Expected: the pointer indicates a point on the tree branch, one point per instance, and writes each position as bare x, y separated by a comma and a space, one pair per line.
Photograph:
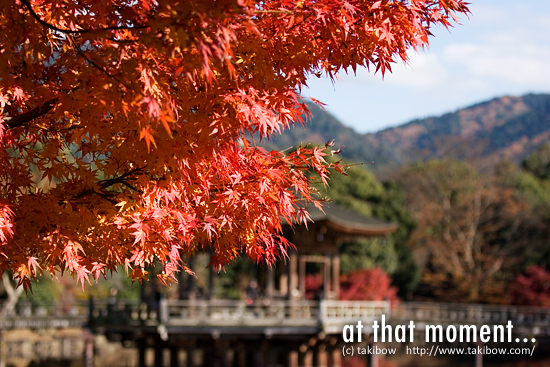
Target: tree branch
104, 184
70, 31
23, 118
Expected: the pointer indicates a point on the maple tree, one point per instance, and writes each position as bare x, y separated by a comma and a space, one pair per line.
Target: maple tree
123, 123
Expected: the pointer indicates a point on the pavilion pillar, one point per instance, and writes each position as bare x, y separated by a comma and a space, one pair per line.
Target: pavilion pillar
336, 275
211, 277
326, 277
293, 274
302, 276
270, 282
283, 278
187, 289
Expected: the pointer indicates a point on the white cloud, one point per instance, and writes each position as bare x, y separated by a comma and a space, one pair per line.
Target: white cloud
424, 70
520, 64
503, 48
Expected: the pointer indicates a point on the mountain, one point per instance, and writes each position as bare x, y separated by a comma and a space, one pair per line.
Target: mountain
502, 128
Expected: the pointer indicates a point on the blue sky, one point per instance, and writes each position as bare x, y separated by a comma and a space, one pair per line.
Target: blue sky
503, 48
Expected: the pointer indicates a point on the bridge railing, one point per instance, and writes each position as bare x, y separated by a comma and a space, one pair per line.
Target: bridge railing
327, 315
470, 314
232, 313
335, 314
54, 315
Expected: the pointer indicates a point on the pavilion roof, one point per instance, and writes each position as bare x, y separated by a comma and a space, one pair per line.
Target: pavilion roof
348, 221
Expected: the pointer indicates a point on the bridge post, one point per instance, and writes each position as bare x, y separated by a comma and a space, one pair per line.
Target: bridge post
255, 357
373, 358
239, 356
142, 347
320, 356
190, 359
292, 358
159, 355
308, 358
174, 357
336, 358
479, 356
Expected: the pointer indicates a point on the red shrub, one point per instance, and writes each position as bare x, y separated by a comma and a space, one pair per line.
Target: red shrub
370, 284
314, 285
532, 289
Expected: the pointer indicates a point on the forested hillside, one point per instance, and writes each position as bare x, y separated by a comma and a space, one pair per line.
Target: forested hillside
503, 128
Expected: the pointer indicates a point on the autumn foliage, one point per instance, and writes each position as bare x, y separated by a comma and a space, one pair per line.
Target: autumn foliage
123, 123
368, 284
531, 289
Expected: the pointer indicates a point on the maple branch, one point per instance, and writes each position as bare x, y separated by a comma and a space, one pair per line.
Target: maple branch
95, 64
70, 31
104, 184
120, 179
282, 11
23, 118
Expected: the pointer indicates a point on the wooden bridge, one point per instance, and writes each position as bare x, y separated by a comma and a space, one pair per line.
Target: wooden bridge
232, 332
331, 315
287, 333
328, 316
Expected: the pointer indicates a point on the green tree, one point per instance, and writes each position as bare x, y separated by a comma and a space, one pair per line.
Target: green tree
531, 183
538, 163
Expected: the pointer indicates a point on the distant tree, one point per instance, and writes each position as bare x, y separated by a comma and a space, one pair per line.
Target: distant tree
532, 184
538, 163
467, 228
531, 289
